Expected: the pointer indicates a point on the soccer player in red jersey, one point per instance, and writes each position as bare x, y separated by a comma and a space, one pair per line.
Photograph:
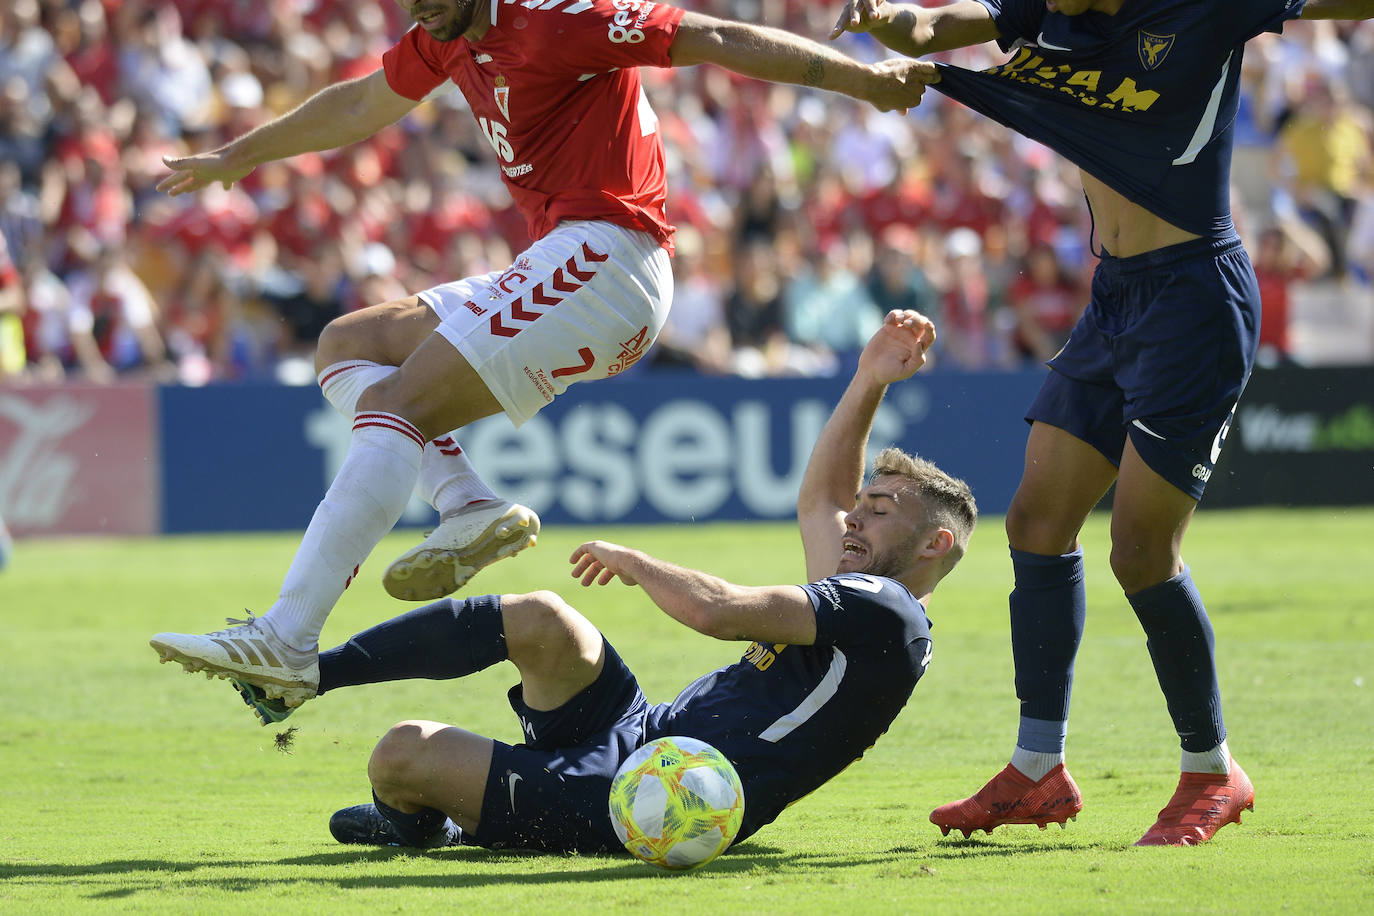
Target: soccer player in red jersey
1143, 98
555, 88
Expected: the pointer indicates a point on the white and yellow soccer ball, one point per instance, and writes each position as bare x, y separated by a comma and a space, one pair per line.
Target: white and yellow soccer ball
676, 803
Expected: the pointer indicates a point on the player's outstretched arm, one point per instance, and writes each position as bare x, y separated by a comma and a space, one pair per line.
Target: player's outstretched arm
1338, 9
706, 603
834, 473
915, 30
335, 116
781, 57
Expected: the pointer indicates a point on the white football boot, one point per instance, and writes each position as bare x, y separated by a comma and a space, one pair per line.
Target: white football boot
247, 651
466, 541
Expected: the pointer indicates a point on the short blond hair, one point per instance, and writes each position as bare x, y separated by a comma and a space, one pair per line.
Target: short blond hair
948, 500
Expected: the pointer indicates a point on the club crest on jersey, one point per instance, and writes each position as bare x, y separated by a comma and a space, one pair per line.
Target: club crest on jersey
502, 93
1153, 48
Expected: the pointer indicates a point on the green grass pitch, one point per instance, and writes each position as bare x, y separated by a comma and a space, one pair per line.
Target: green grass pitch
130, 787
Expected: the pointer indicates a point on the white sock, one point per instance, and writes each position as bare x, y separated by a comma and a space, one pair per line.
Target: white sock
448, 481
363, 503
1217, 760
1035, 764
344, 382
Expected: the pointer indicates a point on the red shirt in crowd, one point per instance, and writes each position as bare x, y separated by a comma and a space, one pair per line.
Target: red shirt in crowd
557, 93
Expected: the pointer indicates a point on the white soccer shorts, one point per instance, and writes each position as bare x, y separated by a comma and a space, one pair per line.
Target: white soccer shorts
584, 302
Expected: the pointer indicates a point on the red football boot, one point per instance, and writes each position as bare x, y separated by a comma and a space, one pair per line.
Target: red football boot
1011, 797
1202, 804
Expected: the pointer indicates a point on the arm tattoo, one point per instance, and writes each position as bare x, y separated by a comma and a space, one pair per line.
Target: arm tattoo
815, 72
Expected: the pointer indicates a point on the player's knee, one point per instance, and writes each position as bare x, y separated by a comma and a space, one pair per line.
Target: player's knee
386, 333
395, 755
389, 395
544, 632
1138, 564
336, 344
1039, 529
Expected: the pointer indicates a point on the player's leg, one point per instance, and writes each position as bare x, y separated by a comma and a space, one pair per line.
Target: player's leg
358, 350
426, 774
1064, 478
1149, 519
434, 783
277, 652
1184, 365
580, 304
476, 527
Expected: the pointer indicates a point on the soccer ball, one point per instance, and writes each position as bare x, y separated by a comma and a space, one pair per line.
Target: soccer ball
676, 803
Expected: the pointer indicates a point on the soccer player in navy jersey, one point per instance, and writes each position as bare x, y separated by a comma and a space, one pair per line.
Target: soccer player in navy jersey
555, 89
1141, 95
828, 665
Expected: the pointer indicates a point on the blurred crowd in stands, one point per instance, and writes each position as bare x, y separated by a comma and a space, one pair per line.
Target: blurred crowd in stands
802, 216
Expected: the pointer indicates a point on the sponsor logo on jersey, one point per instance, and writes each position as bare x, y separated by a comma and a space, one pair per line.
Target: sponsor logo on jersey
502, 93
627, 25
474, 308
761, 656
829, 592
1153, 48
630, 352
541, 382
1092, 88
482, 59
515, 171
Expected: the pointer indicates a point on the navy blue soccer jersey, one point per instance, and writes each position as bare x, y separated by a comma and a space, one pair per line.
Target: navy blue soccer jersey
1144, 100
791, 717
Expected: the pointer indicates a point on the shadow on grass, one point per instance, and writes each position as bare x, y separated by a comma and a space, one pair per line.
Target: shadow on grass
475, 867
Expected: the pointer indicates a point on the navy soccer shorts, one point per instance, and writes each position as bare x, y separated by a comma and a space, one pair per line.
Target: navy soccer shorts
550, 793
1161, 354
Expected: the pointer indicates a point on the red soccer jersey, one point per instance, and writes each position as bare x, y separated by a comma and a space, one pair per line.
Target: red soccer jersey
555, 89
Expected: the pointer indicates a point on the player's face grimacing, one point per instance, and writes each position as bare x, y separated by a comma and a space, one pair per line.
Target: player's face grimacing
445, 20
883, 530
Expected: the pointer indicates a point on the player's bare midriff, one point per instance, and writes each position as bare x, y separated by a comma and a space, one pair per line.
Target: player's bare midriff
1125, 228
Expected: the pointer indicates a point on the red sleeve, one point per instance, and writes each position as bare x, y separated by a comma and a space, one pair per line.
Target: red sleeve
413, 66
613, 33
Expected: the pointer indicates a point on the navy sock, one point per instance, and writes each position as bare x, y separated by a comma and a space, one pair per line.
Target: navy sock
426, 828
446, 639
1179, 637
1048, 607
